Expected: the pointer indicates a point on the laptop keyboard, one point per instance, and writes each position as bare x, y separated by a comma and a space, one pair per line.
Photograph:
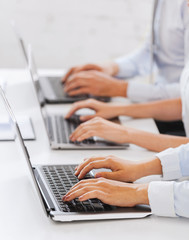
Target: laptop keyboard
60, 179
59, 129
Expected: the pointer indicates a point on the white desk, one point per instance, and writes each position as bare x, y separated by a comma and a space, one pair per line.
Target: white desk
22, 216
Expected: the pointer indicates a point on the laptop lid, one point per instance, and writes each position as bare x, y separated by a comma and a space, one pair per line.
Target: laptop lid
20, 142
24, 49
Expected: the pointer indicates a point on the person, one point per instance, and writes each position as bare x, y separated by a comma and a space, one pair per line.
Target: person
166, 110
166, 198
168, 32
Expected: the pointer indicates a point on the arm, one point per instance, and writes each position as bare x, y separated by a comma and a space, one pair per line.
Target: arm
168, 199
144, 92
167, 110
174, 195
135, 64
98, 80
154, 142
121, 134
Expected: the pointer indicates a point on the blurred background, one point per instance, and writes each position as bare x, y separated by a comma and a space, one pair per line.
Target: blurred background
70, 32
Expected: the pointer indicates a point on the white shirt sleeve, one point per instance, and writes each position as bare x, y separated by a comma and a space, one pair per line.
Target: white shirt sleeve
171, 199
144, 92
175, 162
161, 198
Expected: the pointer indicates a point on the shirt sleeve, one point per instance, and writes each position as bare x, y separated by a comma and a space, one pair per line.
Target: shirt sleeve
135, 64
175, 162
144, 92
169, 199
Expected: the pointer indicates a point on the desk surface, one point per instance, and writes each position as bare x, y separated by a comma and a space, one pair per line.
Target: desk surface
21, 214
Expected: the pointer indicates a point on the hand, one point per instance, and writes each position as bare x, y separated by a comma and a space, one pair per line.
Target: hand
95, 83
110, 192
110, 69
101, 128
103, 110
122, 170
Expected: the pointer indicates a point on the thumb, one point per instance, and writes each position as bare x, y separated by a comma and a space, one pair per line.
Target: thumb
87, 117
108, 175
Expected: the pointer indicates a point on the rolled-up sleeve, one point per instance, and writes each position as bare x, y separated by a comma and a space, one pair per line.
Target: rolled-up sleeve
161, 198
175, 162
169, 198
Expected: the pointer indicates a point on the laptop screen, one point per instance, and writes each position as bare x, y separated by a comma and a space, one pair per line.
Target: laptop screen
7, 112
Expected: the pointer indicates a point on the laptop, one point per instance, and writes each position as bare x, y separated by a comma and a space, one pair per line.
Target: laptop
53, 181
59, 129
52, 89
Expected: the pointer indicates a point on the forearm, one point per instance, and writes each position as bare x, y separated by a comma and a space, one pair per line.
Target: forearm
166, 110
154, 142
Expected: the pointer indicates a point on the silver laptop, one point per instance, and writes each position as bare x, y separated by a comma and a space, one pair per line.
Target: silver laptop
59, 129
51, 86
53, 181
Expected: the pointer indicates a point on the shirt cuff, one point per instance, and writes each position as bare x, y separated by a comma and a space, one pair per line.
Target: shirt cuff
170, 164
161, 198
126, 68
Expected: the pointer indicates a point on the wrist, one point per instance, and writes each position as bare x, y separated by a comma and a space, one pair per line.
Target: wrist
142, 194
151, 167
119, 88
111, 68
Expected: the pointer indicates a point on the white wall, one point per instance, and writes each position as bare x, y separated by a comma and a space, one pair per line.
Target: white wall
69, 32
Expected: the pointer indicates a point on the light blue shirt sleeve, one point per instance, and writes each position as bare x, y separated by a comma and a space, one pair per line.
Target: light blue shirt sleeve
181, 190
171, 52
181, 198
135, 64
172, 198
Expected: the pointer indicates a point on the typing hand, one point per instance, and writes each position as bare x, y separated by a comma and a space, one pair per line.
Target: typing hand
101, 128
122, 170
96, 83
110, 69
103, 110
110, 192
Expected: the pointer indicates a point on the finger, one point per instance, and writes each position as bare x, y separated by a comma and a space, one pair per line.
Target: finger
90, 67
75, 84
84, 182
80, 75
86, 162
81, 184
107, 175
81, 129
79, 105
86, 135
82, 90
101, 195
93, 165
87, 117
64, 79
77, 132
81, 192
86, 186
